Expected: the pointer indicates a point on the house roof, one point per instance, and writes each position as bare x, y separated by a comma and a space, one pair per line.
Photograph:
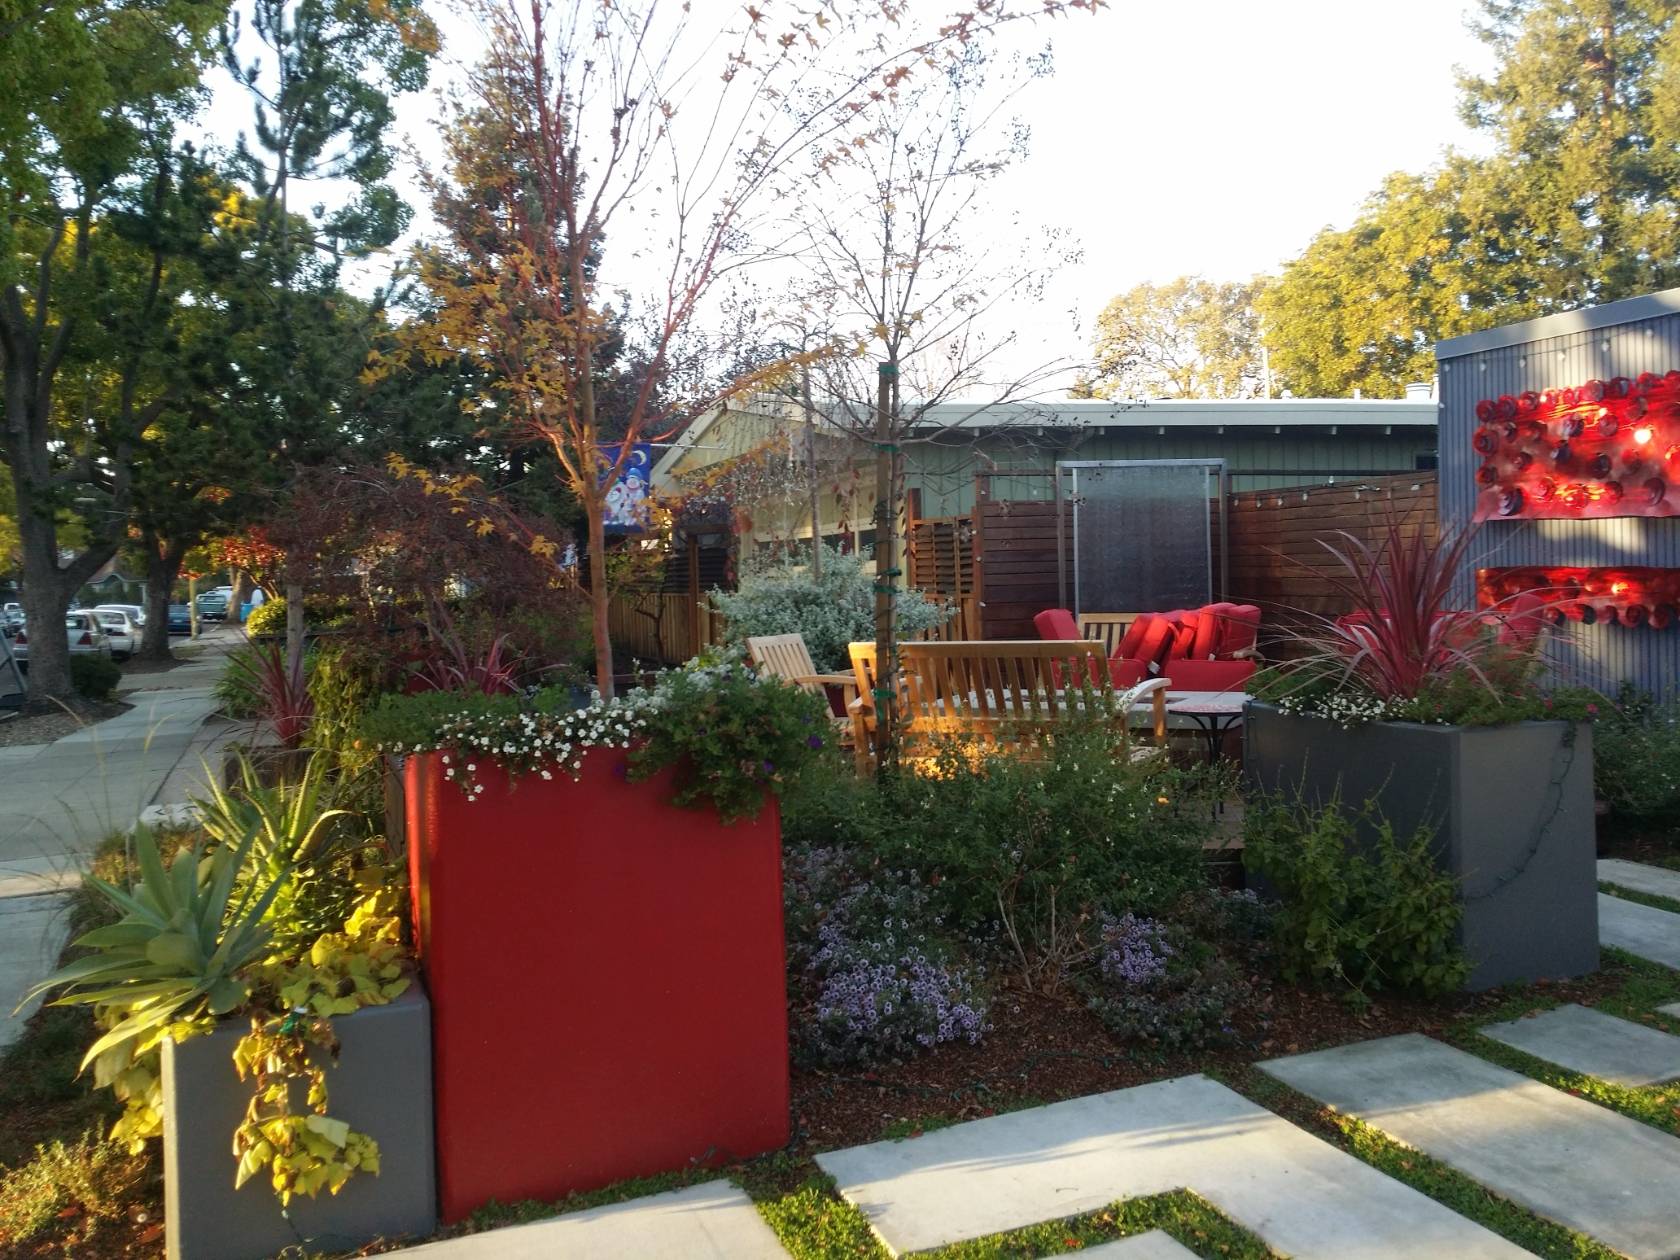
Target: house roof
1626, 311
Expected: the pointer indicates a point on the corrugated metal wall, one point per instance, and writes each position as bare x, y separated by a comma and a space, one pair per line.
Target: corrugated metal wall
945, 472
1598, 655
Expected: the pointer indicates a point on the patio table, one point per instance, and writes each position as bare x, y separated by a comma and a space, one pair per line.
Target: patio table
1214, 713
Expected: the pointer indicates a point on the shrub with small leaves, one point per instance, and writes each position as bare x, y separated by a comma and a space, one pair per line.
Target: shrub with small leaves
1155, 982
1369, 912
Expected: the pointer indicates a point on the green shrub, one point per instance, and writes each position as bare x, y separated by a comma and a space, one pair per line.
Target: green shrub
1032, 846
237, 688
94, 677
267, 618
1369, 915
1156, 982
830, 613
89, 1176
1636, 756
345, 681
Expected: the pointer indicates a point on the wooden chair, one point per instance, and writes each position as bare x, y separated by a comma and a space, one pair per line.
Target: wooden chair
1107, 628
992, 690
785, 656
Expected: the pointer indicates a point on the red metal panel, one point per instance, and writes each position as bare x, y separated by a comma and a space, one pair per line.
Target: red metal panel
608, 980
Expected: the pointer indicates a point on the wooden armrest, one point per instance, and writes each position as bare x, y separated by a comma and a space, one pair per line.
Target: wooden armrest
1246, 654
832, 680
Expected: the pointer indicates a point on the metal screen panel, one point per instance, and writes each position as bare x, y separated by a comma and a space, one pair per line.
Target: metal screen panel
1142, 535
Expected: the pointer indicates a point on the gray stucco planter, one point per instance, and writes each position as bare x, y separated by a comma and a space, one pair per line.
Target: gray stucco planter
381, 1086
1512, 809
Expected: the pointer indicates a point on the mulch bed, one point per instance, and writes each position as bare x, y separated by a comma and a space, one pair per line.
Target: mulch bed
1047, 1047
43, 728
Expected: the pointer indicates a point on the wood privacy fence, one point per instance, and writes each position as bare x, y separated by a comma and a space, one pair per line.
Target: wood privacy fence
661, 627
1277, 558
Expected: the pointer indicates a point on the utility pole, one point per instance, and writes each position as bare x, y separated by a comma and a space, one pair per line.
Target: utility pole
886, 568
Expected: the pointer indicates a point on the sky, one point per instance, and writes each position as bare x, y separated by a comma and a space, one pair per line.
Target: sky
1185, 137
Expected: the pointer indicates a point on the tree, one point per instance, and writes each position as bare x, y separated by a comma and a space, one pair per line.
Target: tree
627, 113
1187, 338
887, 253
1578, 203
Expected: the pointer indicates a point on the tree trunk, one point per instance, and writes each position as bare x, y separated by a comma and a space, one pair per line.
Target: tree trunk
163, 566
811, 472
294, 626
598, 598
46, 597
241, 592
886, 573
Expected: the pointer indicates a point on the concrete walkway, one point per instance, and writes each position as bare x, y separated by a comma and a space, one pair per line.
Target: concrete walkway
1641, 930
1654, 881
58, 801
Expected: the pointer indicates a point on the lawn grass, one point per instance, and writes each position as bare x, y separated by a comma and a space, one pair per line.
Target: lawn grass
1422, 1172
1643, 898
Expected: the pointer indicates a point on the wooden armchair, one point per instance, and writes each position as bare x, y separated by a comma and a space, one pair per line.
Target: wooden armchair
785, 656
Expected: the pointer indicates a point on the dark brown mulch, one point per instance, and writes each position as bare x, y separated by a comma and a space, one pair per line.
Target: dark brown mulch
43, 728
1044, 1048
1654, 842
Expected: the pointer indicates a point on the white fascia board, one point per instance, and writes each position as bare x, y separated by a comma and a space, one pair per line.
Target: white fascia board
1187, 413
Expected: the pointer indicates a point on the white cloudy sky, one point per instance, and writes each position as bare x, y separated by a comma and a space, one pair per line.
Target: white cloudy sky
1211, 137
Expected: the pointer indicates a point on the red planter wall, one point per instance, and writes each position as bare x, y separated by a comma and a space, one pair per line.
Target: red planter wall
607, 979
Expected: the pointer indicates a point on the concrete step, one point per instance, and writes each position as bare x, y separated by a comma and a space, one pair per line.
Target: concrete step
1301, 1195
1644, 931
1155, 1245
713, 1221
1594, 1044
1655, 881
1564, 1158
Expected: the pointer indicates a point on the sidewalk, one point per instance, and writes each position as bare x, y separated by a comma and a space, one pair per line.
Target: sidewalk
58, 801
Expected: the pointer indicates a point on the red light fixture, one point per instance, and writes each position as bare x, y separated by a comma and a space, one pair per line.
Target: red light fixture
1609, 597
1580, 452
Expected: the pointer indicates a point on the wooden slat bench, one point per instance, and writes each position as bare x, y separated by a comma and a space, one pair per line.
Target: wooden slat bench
994, 689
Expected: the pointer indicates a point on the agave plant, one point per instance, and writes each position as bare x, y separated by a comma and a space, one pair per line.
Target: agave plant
179, 947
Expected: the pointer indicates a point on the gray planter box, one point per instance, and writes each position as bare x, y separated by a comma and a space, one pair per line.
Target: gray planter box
382, 1086
1512, 810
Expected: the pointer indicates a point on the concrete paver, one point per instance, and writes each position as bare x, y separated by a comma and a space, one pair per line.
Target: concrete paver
713, 1221
1591, 1042
1581, 1165
1301, 1195
1673, 1008
1656, 881
1155, 1245
32, 929
1641, 930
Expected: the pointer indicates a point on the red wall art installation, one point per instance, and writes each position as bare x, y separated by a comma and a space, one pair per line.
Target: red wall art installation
1619, 596
1606, 448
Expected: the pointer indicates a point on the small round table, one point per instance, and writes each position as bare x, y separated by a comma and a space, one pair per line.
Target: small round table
1215, 716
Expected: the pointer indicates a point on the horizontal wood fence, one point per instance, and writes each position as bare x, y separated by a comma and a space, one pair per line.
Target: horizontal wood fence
1276, 536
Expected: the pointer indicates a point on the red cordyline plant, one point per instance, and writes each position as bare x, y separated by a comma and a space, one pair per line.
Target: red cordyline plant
282, 689
453, 668
1401, 634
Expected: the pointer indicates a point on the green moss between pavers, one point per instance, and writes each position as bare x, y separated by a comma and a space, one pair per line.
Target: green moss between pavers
1643, 898
1424, 1173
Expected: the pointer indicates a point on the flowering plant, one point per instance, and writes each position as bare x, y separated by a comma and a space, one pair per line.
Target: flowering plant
730, 735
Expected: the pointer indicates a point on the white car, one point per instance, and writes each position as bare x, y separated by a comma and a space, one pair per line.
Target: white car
120, 631
136, 614
11, 615
82, 629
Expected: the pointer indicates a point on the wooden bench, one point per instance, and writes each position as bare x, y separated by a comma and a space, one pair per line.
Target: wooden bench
785, 656
1106, 628
994, 690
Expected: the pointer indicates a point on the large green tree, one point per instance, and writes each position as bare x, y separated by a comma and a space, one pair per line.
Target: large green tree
1578, 203
1187, 338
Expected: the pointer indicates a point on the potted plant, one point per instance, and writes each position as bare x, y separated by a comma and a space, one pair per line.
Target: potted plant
1437, 717
253, 990
599, 920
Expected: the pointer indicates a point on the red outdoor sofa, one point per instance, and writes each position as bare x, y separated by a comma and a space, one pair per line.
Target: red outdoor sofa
1211, 648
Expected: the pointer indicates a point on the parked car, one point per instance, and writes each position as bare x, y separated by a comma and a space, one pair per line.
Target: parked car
81, 628
213, 605
11, 614
120, 629
136, 614
180, 619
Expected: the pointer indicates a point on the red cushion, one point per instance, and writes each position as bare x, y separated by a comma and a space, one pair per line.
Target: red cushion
1126, 673
1232, 628
1184, 633
1056, 623
1131, 643
1154, 643
1208, 675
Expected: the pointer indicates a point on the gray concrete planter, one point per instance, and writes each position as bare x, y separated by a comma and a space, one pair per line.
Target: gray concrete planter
1512, 809
382, 1086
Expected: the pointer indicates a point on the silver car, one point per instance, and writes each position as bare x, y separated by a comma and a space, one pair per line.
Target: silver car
136, 614
82, 629
120, 631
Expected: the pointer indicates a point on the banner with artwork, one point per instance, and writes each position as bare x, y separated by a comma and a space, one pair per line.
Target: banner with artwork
627, 498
